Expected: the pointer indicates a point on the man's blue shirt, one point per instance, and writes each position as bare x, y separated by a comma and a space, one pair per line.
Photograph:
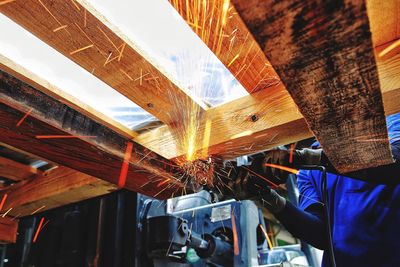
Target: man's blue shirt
365, 218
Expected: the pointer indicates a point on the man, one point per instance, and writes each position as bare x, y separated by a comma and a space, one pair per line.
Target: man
364, 211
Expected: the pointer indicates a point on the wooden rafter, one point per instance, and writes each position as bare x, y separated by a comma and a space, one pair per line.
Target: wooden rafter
328, 67
16, 171
86, 37
100, 156
278, 120
8, 230
58, 187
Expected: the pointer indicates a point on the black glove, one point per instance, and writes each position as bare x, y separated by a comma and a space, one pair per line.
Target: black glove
281, 157
247, 185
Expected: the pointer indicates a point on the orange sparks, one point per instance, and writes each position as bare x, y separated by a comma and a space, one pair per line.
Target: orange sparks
233, 60
60, 28
76, 5
3, 200
42, 207
126, 74
140, 78
125, 165
389, 48
38, 230
24, 117
122, 51
6, 2
235, 237
63, 136
260, 176
266, 237
291, 170
163, 182
291, 153
81, 49
5, 214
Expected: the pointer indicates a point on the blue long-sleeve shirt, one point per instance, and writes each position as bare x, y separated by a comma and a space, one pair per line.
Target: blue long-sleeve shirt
365, 217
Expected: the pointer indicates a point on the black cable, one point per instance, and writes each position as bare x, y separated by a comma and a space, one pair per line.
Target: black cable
328, 226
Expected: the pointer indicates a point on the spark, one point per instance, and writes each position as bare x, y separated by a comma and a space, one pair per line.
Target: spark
81, 49
24, 117
235, 237
126, 74
266, 237
122, 51
140, 78
3, 200
51, 14
63, 136
38, 209
389, 48
125, 165
291, 170
233, 60
60, 28
84, 18
76, 5
108, 38
4, 215
6, 2
163, 182
291, 153
38, 230
260, 176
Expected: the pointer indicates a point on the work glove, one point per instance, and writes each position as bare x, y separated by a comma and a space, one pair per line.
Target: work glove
281, 157
247, 185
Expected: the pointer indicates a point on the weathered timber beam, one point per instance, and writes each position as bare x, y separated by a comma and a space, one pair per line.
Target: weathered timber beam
8, 230
86, 37
58, 187
228, 37
100, 155
278, 120
16, 171
44, 86
323, 53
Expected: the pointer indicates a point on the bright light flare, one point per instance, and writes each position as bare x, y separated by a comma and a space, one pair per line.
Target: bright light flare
291, 170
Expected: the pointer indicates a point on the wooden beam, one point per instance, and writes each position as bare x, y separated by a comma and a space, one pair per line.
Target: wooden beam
44, 86
278, 120
8, 230
16, 171
220, 27
92, 42
323, 53
101, 156
58, 187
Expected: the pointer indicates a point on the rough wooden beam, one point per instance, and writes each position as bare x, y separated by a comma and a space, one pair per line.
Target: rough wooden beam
95, 44
44, 86
100, 156
8, 230
220, 27
323, 53
278, 120
58, 187
16, 171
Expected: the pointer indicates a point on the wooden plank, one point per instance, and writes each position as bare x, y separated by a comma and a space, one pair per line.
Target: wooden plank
8, 230
44, 86
278, 120
384, 18
99, 47
58, 187
220, 27
323, 53
16, 171
100, 157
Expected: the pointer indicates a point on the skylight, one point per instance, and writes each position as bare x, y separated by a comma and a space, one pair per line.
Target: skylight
31, 53
157, 28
